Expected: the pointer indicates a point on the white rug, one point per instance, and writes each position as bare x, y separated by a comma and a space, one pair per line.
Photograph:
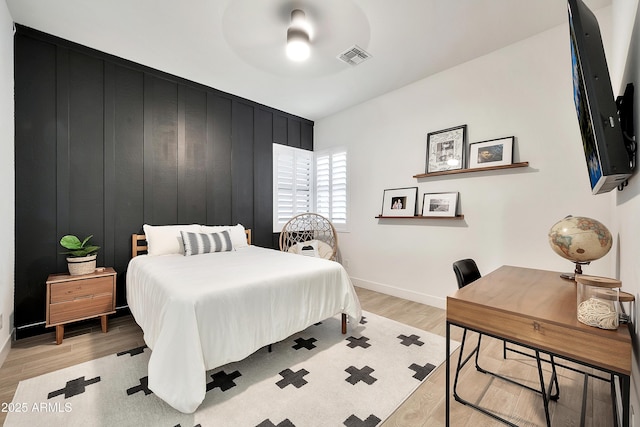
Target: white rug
317, 377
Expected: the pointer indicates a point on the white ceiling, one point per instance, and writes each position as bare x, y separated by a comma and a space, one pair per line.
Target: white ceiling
238, 46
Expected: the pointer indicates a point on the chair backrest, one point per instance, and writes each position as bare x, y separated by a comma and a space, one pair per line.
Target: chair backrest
466, 272
309, 226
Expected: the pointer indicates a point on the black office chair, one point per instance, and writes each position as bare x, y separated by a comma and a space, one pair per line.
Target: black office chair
467, 272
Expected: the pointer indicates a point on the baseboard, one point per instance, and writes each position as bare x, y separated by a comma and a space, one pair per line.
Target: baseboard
4, 350
400, 293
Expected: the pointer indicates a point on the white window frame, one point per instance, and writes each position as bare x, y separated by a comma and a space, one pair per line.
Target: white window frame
290, 200
336, 204
289, 197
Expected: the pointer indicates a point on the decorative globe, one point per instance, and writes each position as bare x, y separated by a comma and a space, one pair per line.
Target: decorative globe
580, 239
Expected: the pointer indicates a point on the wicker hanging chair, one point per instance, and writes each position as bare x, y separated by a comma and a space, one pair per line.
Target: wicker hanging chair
306, 228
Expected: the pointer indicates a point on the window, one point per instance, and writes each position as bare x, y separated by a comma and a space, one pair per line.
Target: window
331, 186
304, 182
292, 183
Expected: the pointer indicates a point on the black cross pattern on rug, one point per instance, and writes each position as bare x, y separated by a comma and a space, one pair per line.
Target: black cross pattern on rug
74, 387
223, 381
363, 320
180, 425
358, 375
269, 423
410, 340
304, 343
296, 379
133, 352
143, 387
421, 371
354, 421
358, 342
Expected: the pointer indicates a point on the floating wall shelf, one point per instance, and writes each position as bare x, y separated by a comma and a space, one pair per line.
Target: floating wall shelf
457, 171
420, 217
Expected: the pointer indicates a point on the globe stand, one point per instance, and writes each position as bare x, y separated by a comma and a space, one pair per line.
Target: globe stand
578, 270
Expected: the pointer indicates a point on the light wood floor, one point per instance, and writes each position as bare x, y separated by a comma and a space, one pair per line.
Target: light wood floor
35, 356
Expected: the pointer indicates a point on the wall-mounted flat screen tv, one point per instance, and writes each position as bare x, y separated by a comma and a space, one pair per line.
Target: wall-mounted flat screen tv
608, 161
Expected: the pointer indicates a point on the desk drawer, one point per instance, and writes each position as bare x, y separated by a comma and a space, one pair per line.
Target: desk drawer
604, 348
70, 291
81, 308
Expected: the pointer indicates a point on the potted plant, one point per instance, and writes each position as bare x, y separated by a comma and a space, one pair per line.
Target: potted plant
82, 257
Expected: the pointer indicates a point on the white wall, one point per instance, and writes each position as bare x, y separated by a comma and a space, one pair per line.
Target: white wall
7, 178
625, 68
524, 90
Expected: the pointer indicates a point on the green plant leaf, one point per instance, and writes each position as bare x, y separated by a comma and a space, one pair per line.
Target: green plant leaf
91, 249
70, 242
84, 242
76, 247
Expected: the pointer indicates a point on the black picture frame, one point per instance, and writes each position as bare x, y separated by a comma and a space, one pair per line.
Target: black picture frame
406, 197
446, 149
493, 152
440, 204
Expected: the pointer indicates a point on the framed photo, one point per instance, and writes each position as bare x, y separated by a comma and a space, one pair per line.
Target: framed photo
439, 204
494, 152
446, 149
399, 201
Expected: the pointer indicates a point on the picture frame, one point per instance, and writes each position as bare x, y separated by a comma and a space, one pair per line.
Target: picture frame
440, 204
446, 149
399, 202
493, 152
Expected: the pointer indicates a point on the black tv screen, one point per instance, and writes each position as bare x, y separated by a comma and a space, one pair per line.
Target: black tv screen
608, 161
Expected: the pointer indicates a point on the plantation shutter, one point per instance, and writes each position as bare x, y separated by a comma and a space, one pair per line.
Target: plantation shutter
332, 186
292, 183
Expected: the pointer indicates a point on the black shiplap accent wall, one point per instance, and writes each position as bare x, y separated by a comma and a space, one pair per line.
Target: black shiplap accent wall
104, 145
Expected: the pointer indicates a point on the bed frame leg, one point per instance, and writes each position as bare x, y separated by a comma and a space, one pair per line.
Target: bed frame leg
344, 323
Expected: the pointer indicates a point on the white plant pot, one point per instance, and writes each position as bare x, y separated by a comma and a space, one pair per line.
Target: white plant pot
82, 265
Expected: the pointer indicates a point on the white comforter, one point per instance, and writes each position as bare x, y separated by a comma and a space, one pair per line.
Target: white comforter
200, 312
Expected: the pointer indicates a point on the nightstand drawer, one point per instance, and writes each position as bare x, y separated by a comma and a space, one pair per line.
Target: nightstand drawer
81, 308
76, 289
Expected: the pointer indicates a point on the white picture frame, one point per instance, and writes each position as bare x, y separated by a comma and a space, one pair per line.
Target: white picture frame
440, 204
493, 152
399, 202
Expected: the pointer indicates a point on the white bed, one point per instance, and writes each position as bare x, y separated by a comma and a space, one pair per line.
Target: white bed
200, 312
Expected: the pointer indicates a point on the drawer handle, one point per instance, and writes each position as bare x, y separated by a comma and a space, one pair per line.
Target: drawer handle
83, 297
536, 326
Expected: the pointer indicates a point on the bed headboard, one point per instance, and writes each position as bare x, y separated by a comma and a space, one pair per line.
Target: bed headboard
139, 243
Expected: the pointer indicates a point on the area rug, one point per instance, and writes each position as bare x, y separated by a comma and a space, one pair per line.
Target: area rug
317, 377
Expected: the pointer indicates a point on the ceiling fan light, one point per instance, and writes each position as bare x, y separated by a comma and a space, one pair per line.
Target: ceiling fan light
298, 48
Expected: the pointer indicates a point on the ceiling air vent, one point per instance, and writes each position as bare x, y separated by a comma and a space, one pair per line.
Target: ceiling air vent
355, 55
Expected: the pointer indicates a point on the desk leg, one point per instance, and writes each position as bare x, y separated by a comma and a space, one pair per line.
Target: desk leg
543, 389
625, 385
447, 376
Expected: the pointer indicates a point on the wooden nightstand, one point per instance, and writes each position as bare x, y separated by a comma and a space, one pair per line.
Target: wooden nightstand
73, 298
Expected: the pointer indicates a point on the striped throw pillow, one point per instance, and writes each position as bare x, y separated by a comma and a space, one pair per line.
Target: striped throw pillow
200, 243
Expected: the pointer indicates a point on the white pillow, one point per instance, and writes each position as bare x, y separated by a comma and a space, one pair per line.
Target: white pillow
236, 232
166, 239
321, 249
309, 248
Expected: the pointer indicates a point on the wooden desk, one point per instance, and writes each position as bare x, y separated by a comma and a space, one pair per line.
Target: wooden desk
537, 309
